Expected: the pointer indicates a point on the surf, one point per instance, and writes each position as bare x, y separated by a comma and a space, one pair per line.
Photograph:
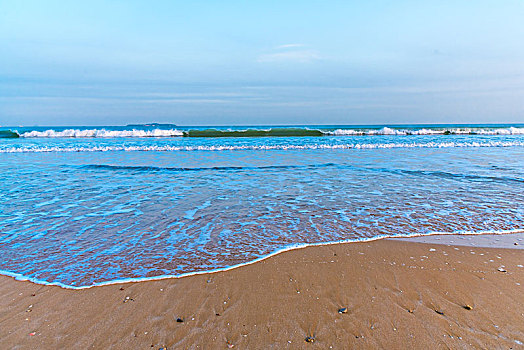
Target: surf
258, 132
8, 134
254, 147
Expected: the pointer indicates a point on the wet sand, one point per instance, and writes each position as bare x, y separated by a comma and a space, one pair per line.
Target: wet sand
513, 241
398, 294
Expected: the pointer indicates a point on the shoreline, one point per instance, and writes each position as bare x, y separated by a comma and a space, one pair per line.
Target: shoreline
398, 294
447, 238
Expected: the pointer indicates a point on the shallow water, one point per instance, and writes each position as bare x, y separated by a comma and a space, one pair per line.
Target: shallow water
80, 211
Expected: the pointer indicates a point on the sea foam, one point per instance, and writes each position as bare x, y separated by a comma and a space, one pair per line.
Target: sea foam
75, 133
168, 148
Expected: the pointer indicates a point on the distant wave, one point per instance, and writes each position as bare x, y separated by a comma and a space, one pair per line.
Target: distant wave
8, 134
272, 132
213, 133
269, 132
40, 149
102, 133
426, 131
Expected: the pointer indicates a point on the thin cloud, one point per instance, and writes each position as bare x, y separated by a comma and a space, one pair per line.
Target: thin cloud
288, 46
301, 56
194, 95
290, 53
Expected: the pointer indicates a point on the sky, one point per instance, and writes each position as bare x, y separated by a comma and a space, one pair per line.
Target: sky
261, 62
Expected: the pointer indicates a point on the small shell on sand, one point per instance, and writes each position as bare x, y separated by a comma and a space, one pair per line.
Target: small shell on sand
310, 339
501, 269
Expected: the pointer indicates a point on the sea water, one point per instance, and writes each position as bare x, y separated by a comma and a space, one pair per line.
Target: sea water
83, 206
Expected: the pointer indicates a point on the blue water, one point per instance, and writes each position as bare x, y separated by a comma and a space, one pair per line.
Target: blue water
82, 206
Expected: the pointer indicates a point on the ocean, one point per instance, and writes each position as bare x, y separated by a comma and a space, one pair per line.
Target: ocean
84, 206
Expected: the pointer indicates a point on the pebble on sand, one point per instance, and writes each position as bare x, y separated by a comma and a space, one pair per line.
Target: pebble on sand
179, 320
468, 307
343, 310
310, 339
501, 269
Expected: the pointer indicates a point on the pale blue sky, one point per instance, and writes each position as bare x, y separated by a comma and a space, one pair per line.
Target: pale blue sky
261, 62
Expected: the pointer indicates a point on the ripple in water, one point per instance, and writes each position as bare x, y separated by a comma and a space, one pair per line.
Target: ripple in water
86, 218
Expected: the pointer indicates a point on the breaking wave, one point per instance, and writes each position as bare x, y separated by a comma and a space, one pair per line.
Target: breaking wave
432, 131
80, 133
259, 132
8, 134
167, 148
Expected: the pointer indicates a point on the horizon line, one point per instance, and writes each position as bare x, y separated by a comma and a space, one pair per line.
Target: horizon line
262, 125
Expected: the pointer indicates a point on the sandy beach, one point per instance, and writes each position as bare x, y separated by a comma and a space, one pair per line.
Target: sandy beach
389, 294
261, 175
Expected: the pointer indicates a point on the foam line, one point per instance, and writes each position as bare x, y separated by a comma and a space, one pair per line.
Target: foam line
20, 277
50, 149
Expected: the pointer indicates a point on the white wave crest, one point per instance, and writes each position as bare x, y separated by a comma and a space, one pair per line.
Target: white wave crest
153, 148
454, 131
71, 133
509, 131
383, 131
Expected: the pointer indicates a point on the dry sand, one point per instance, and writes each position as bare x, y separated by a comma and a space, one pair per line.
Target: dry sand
399, 295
